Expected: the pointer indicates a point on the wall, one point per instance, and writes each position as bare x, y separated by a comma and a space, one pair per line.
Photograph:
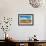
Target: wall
11, 8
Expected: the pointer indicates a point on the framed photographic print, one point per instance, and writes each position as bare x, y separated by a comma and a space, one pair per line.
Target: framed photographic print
25, 19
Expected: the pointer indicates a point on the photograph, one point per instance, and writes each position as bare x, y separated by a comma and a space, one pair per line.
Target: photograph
25, 19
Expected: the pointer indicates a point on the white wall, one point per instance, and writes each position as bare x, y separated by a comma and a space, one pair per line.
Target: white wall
11, 8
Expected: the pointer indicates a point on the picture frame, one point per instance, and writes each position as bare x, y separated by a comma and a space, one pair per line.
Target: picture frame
25, 19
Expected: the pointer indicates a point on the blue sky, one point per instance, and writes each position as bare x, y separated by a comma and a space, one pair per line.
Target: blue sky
26, 17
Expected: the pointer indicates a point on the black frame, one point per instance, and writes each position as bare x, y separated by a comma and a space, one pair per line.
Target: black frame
26, 24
